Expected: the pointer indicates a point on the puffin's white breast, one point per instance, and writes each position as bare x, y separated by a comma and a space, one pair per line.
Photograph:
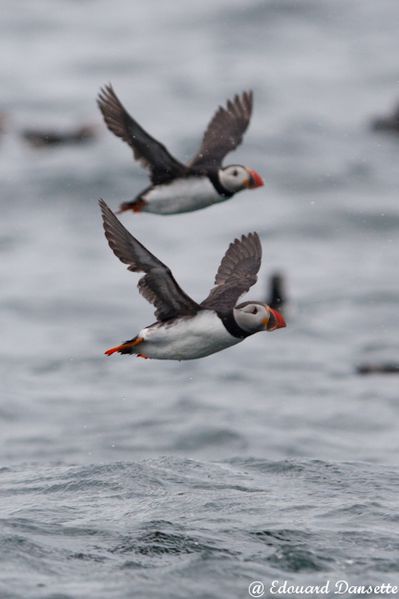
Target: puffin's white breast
181, 195
186, 338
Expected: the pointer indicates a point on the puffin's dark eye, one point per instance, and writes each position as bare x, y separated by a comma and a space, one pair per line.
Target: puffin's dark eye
254, 310
235, 172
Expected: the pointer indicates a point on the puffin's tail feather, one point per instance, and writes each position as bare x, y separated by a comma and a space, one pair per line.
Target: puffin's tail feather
135, 206
126, 347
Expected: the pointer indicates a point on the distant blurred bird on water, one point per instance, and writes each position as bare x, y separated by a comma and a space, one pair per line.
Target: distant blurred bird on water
41, 138
388, 123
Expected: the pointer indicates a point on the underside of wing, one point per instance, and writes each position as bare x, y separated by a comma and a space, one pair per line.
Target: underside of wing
158, 285
148, 151
225, 132
236, 274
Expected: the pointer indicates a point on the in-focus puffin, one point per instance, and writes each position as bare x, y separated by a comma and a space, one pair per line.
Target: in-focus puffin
185, 330
178, 187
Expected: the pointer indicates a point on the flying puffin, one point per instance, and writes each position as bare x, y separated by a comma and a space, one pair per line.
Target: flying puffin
177, 187
185, 330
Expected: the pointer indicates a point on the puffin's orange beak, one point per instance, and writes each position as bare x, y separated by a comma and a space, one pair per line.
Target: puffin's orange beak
254, 179
276, 321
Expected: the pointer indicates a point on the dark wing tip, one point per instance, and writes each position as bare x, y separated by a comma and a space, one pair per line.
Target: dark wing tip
248, 244
245, 247
106, 91
105, 209
225, 130
111, 107
237, 272
109, 221
245, 103
253, 235
119, 239
248, 100
115, 115
252, 238
241, 105
108, 102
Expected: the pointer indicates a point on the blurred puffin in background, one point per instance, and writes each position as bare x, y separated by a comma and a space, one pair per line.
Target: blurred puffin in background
177, 187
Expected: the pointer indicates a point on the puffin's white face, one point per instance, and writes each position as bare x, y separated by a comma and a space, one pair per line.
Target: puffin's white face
236, 178
254, 317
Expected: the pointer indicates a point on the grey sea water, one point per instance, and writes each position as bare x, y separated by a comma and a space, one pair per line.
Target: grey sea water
270, 461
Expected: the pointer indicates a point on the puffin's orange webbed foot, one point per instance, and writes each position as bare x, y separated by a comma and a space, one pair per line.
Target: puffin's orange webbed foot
136, 206
125, 347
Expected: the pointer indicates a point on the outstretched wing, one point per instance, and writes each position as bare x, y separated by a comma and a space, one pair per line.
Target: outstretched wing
224, 132
158, 285
236, 274
148, 151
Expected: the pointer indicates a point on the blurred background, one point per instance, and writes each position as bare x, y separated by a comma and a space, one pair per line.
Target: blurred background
328, 218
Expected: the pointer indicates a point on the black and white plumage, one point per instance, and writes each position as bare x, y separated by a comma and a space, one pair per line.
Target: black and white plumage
177, 187
186, 330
